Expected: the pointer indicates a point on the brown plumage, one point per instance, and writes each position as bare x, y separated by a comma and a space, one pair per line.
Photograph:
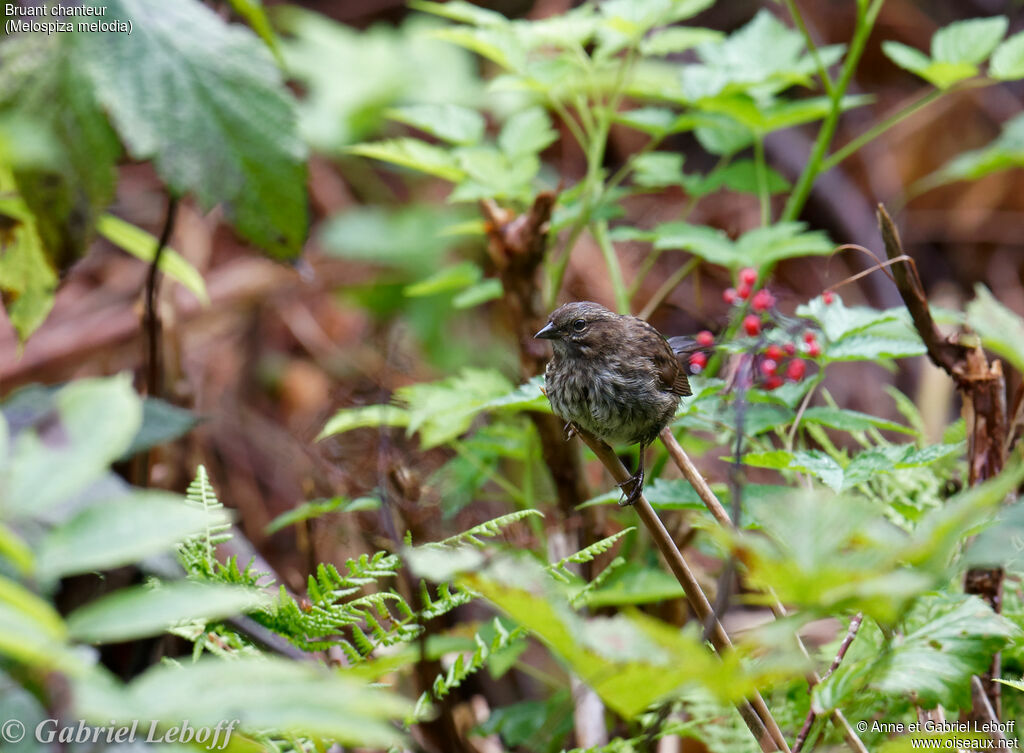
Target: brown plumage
613, 376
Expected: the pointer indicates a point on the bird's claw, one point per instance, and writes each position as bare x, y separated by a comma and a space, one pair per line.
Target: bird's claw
570, 431
636, 484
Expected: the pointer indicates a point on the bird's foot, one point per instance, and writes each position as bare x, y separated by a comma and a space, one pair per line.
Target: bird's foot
570, 431
636, 489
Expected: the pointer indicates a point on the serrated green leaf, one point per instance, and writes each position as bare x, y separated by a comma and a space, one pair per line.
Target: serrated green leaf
1007, 61
526, 132
142, 245
140, 611
658, 169
821, 465
240, 145
1000, 329
448, 122
676, 39
851, 420
968, 41
440, 411
45, 85
936, 660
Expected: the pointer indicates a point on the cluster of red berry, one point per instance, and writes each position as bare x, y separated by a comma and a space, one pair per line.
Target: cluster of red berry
774, 362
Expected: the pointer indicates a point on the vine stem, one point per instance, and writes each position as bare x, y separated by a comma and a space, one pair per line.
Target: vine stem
755, 712
152, 316
865, 23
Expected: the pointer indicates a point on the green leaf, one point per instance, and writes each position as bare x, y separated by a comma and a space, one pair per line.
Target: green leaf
118, 532
826, 468
757, 248
161, 422
1007, 61
239, 146
492, 173
676, 39
486, 290
1001, 544
262, 693
851, 420
414, 154
739, 176
410, 237
348, 419
634, 584
142, 245
140, 611
446, 279
45, 84
526, 132
26, 277
451, 123
936, 660
941, 74
629, 661
254, 14
999, 328
318, 507
658, 169
969, 41
98, 418
441, 411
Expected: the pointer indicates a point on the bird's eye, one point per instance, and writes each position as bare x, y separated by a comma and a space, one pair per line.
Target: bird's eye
579, 325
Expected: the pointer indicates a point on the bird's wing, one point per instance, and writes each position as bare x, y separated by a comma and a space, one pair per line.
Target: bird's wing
671, 372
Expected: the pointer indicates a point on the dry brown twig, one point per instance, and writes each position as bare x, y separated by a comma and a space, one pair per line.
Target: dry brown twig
754, 711
718, 512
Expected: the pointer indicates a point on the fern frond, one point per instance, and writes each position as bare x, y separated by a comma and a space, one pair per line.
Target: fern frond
587, 554
446, 601
488, 530
197, 553
463, 668
580, 598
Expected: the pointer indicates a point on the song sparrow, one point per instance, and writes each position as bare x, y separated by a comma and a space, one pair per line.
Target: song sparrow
614, 376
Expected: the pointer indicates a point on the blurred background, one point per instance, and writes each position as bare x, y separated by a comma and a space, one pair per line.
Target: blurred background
280, 348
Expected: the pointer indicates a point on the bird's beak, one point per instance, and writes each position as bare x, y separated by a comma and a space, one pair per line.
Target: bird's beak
548, 333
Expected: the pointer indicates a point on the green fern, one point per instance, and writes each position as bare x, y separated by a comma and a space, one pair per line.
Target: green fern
461, 668
489, 529
198, 553
587, 554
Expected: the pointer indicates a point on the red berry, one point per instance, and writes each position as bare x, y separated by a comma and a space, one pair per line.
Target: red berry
773, 382
796, 370
752, 324
809, 337
743, 292
748, 276
705, 339
769, 367
729, 295
774, 352
813, 349
828, 296
763, 300
790, 348
697, 362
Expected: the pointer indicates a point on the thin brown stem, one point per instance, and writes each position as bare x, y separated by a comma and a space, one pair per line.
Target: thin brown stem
719, 513
851, 633
754, 711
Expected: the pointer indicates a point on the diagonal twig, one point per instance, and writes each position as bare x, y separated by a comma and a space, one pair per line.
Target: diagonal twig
717, 510
754, 711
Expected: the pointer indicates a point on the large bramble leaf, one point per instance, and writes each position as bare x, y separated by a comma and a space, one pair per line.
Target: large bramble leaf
205, 101
44, 84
